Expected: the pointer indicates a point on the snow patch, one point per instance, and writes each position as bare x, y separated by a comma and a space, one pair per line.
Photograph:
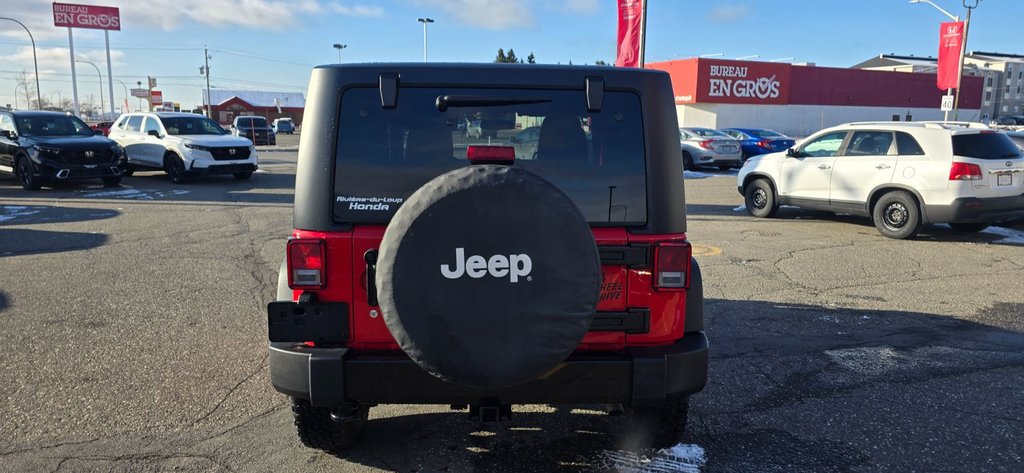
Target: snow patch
134, 194
682, 458
740, 208
11, 212
130, 193
696, 175
1009, 235
261, 171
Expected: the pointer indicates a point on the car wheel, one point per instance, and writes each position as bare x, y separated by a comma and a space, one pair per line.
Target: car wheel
111, 181
760, 199
896, 215
963, 227
656, 425
242, 176
687, 162
319, 429
175, 168
26, 176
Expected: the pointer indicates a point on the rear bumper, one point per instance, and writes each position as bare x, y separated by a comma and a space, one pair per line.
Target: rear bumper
333, 376
969, 210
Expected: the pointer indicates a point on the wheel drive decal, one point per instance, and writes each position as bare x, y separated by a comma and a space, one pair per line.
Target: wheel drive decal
611, 290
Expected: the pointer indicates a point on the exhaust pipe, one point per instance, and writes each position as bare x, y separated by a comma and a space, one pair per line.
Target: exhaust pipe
63, 173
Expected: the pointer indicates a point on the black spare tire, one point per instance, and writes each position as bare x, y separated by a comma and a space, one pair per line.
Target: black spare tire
488, 276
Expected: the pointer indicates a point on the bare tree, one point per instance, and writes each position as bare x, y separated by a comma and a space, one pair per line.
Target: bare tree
27, 84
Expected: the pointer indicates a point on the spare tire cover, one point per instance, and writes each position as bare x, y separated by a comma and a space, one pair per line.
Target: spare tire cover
488, 276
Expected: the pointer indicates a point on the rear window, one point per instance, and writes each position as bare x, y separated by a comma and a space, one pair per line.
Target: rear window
984, 146
707, 133
252, 122
767, 134
596, 158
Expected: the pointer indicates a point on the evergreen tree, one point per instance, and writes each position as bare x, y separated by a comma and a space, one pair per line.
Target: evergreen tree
501, 56
531, 59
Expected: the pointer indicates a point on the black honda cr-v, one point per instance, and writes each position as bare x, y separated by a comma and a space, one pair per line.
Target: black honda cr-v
40, 147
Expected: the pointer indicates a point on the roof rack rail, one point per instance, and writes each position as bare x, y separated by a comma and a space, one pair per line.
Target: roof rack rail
926, 124
947, 124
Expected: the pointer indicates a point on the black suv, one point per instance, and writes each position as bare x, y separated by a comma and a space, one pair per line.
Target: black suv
430, 268
41, 146
256, 129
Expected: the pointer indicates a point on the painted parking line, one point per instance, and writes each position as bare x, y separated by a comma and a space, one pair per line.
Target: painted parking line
705, 250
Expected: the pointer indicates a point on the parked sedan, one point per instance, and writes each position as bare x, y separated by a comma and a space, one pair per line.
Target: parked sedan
707, 147
757, 141
102, 128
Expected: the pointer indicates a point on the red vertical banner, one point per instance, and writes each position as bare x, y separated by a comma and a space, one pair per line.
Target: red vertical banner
951, 40
628, 46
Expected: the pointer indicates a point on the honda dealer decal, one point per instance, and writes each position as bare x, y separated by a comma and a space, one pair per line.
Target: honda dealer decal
951, 37
743, 82
630, 15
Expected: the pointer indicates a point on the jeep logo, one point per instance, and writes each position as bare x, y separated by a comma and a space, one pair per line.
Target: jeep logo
499, 266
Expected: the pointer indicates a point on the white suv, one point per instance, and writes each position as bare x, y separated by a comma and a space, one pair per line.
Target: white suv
902, 175
182, 144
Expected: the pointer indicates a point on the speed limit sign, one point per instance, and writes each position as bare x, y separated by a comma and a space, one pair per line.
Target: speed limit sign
947, 103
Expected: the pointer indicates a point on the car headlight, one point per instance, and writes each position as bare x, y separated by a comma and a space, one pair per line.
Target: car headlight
197, 147
47, 151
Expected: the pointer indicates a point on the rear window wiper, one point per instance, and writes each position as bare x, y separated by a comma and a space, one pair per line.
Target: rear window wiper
445, 101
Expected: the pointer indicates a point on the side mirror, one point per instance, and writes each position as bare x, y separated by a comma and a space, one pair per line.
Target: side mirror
9, 134
154, 133
792, 153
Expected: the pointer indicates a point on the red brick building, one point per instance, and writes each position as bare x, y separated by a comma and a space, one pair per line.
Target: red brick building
228, 104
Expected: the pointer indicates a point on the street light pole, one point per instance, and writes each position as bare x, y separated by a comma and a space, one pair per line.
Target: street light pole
339, 47
59, 98
101, 82
425, 21
125, 87
35, 62
963, 47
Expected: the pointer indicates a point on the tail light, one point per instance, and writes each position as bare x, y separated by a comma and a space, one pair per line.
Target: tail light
706, 144
672, 265
490, 154
307, 262
965, 172
765, 144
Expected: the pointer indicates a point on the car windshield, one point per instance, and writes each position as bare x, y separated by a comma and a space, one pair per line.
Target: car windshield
597, 159
251, 122
191, 126
984, 146
708, 133
52, 125
766, 134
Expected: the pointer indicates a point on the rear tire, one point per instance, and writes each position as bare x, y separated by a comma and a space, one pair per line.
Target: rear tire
897, 215
242, 176
26, 176
687, 162
175, 169
760, 199
962, 227
658, 425
318, 430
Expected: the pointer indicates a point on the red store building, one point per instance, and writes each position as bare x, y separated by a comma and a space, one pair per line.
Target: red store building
228, 104
799, 100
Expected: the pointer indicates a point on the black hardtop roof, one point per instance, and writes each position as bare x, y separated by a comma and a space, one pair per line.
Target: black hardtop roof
468, 73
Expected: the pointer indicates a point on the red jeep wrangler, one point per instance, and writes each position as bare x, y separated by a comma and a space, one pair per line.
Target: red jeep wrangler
545, 262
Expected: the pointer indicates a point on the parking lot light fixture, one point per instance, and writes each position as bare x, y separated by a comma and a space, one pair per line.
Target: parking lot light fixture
969, 5
35, 62
752, 56
101, 82
944, 12
339, 47
425, 21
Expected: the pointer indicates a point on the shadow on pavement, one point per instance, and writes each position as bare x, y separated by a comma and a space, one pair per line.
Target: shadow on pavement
4, 301
792, 388
18, 241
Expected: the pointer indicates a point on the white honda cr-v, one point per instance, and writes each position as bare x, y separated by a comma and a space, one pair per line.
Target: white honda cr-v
902, 175
182, 145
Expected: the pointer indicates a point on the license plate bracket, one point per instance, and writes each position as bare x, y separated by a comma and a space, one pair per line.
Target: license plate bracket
318, 322
1004, 179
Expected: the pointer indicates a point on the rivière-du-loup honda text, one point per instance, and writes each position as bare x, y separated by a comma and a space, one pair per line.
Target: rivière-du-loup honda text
499, 266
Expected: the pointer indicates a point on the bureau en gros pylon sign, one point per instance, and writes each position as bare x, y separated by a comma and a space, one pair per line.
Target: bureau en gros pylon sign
93, 17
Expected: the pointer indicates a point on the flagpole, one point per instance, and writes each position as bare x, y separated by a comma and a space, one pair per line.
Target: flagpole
643, 31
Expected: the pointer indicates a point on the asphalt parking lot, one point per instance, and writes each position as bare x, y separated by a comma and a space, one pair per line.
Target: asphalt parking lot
134, 340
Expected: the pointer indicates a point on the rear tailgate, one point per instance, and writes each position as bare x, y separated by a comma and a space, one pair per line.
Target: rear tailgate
726, 146
1000, 160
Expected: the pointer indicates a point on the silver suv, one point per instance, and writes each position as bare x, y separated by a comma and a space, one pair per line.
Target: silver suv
183, 145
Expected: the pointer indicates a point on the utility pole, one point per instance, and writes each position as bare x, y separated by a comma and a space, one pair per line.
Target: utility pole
206, 71
643, 33
339, 47
969, 5
425, 21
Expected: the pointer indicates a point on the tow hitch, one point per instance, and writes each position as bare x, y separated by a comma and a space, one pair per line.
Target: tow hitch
490, 410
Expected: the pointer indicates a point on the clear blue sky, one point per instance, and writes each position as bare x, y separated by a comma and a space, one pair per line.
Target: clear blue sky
272, 44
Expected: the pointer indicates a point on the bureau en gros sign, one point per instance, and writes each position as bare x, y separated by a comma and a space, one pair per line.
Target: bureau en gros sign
734, 81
